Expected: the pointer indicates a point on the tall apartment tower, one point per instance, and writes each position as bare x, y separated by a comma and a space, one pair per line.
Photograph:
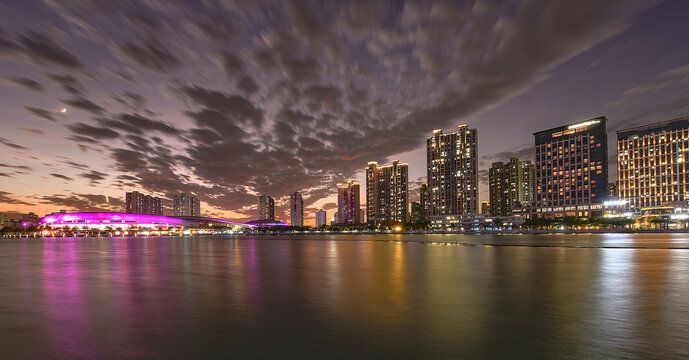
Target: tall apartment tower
296, 209
386, 193
186, 205
423, 202
266, 208
572, 169
510, 183
138, 203
652, 165
321, 218
348, 203
452, 172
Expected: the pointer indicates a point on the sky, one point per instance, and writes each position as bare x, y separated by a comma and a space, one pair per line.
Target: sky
231, 99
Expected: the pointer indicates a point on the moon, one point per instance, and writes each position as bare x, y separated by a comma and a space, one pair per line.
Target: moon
63, 110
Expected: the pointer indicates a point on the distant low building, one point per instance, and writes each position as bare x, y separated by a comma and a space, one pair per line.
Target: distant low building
475, 222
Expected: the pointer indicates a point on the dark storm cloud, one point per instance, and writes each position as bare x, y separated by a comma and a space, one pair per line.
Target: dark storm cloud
39, 48
247, 84
311, 91
132, 100
135, 123
63, 177
41, 113
8, 198
84, 104
33, 131
525, 153
84, 202
20, 167
94, 176
234, 107
26, 83
68, 83
12, 145
151, 56
93, 132
232, 65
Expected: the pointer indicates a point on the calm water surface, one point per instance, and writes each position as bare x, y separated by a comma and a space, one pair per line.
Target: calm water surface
346, 296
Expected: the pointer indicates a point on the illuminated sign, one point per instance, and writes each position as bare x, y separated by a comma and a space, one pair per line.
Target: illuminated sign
585, 123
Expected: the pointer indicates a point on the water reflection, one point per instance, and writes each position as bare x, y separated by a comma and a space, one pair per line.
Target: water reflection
344, 297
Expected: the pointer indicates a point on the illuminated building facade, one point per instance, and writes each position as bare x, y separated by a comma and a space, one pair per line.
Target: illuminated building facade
266, 208
186, 205
348, 203
572, 170
321, 218
510, 184
112, 221
138, 203
485, 207
386, 193
296, 209
651, 163
452, 172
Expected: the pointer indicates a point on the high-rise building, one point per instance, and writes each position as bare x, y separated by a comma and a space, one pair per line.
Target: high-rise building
416, 212
348, 203
266, 208
652, 163
186, 205
572, 169
296, 209
423, 202
386, 193
485, 207
510, 183
321, 218
452, 172
138, 203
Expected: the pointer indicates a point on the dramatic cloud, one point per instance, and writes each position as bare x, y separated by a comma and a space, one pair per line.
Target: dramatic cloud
63, 177
275, 97
41, 113
25, 82
12, 145
150, 56
8, 198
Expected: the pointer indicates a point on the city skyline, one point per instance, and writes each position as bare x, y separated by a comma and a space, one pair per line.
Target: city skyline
87, 120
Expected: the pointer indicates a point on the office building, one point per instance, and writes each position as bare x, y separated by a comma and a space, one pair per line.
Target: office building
321, 218
138, 203
266, 208
348, 203
386, 193
651, 163
510, 184
572, 170
186, 205
452, 172
296, 209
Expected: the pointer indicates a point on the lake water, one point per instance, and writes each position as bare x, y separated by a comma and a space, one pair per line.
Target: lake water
346, 296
